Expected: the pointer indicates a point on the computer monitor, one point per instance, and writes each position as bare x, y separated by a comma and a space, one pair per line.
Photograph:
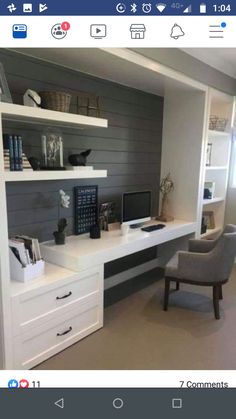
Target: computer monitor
136, 207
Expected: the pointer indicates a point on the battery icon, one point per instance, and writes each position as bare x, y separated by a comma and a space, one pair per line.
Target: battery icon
203, 8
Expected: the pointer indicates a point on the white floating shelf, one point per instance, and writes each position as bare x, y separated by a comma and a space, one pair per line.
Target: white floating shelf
26, 176
19, 113
212, 133
211, 232
212, 201
216, 167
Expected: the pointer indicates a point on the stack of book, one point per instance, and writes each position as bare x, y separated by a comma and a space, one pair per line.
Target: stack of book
25, 258
14, 158
26, 249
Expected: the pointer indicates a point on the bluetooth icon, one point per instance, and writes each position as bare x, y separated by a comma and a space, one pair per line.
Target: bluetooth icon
133, 8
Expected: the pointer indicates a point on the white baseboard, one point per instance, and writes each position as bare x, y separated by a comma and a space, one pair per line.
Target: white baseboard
114, 280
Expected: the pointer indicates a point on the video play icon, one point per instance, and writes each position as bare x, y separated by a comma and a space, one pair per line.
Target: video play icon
98, 31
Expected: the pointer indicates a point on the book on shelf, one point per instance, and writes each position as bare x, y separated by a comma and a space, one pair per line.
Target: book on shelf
20, 152
25, 162
13, 143
6, 155
17, 150
8, 145
14, 158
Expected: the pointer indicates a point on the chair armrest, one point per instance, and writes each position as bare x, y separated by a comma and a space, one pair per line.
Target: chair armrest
201, 246
196, 266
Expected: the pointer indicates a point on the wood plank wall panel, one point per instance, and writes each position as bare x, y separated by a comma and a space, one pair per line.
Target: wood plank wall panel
130, 148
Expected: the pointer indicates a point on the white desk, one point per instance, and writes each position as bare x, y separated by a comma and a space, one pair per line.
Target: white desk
66, 304
81, 252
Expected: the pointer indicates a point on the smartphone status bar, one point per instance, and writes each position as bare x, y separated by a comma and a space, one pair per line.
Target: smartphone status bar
118, 8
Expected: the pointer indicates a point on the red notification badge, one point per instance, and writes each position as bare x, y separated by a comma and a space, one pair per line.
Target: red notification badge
65, 26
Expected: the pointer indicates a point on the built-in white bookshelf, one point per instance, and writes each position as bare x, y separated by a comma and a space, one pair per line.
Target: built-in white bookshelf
23, 115
217, 169
28, 176
214, 133
213, 200
28, 115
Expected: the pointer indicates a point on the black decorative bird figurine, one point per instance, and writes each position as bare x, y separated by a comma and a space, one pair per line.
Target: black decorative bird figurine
79, 159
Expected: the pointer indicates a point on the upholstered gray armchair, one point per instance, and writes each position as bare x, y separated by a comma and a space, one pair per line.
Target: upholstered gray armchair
207, 263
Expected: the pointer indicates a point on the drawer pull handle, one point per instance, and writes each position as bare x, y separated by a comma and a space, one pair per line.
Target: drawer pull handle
64, 296
65, 333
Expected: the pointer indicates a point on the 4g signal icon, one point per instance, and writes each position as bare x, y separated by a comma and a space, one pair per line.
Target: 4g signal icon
161, 7
188, 9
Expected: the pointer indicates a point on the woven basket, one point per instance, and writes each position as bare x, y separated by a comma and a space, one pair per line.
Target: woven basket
55, 101
217, 124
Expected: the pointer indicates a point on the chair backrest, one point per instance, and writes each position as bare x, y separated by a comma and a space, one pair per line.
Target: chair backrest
229, 228
224, 253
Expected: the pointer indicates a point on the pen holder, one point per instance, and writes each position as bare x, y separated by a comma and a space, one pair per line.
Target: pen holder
95, 232
27, 273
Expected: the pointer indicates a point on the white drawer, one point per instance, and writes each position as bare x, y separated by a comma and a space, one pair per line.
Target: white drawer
36, 346
31, 309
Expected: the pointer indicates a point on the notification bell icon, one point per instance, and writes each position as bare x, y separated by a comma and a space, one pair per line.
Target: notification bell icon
176, 31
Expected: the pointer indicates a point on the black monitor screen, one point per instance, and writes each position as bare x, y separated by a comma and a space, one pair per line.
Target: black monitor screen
136, 205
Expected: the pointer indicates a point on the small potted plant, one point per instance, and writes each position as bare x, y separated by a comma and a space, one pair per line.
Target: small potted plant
166, 187
60, 234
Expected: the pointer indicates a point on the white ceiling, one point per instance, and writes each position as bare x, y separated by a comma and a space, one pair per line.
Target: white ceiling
111, 67
99, 63
223, 59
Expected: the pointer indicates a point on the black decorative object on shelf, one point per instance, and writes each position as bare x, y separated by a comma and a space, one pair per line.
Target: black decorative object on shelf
35, 163
79, 159
207, 194
86, 208
95, 232
60, 235
63, 202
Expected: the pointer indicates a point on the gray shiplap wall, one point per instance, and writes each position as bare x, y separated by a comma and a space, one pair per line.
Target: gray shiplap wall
130, 148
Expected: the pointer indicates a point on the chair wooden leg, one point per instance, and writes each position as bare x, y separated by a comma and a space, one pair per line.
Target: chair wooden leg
216, 289
166, 294
177, 286
220, 292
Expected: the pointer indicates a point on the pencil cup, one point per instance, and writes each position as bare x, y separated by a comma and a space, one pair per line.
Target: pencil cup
124, 229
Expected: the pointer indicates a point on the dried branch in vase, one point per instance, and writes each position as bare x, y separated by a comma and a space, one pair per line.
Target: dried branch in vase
166, 187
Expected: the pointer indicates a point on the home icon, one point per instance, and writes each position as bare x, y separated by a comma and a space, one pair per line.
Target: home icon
137, 31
